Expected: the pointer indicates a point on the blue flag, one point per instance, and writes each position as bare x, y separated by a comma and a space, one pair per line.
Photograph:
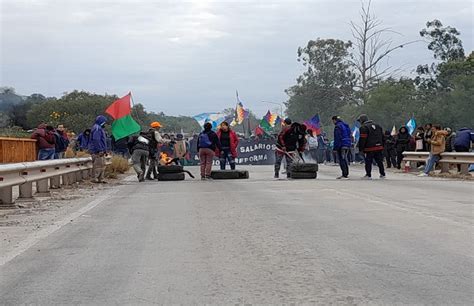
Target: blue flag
411, 125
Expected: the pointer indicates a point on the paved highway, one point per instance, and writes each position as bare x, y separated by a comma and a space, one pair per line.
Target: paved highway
405, 240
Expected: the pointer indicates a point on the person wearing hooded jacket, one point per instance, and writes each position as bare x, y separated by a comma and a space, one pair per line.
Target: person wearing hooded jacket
97, 147
342, 144
371, 142
389, 150
208, 143
45, 141
402, 144
229, 142
463, 139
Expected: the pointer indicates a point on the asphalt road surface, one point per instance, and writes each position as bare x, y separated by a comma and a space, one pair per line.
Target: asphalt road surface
404, 240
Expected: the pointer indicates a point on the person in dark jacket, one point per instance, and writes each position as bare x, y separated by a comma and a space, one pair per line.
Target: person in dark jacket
120, 147
371, 143
97, 147
208, 143
402, 144
428, 135
82, 142
342, 144
291, 139
61, 142
193, 150
139, 147
229, 142
45, 141
462, 141
450, 140
389, 150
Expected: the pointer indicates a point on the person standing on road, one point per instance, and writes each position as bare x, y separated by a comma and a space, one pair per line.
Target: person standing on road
291, 141
402, 144
61, 142
45, 141
208, 143
280, 152
180, 149
312, 141
229, 142
428, 135
155, 141
342, 144
389, 150
371, 143
97, 147
437, 146
139, 147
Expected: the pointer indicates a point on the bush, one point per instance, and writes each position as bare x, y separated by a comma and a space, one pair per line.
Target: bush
118, 165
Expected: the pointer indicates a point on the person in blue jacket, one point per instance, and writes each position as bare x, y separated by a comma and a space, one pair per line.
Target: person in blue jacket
342, 144
97, 147
462, 142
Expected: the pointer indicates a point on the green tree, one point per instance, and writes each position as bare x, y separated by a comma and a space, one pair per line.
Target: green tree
326, 85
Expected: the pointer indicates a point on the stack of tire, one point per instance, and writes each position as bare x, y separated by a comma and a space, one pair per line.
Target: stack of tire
304, 171
229, 174
171, 173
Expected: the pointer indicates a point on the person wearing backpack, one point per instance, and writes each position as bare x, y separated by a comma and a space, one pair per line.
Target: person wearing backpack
208, 143
342, 144
61, 143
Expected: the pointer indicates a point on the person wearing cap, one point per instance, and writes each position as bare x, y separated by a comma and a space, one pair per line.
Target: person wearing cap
371, 143
155, 139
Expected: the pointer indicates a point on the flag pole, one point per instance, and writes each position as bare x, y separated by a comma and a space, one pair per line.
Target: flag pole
133, 105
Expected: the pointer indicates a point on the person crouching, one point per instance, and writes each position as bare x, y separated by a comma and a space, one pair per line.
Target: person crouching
139, 147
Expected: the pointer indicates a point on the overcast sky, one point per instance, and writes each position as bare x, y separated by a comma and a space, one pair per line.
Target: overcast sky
187, 57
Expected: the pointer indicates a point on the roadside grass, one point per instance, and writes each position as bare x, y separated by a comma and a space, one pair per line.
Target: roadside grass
118, 165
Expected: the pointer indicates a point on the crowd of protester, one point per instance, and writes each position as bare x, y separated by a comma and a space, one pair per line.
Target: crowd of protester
374, 147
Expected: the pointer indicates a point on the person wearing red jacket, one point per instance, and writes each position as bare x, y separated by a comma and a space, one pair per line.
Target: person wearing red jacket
229, 142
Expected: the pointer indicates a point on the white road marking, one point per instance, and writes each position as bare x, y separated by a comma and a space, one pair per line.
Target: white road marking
35, 237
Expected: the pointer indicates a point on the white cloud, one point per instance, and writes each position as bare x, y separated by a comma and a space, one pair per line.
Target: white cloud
190, 55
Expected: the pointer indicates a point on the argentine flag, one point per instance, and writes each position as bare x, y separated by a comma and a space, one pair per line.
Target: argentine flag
411, 125
214, 118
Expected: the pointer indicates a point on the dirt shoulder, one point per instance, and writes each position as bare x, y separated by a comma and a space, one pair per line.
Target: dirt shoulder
33, 215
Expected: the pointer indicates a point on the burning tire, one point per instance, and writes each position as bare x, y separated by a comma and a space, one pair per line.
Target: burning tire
229, 174
304, 167
303, 175
171, 176
170, 169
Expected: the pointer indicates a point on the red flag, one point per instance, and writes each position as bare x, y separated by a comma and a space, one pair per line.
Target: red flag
120, 108
259, 131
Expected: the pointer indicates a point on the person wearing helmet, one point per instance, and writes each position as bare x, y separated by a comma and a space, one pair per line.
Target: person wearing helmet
155, 139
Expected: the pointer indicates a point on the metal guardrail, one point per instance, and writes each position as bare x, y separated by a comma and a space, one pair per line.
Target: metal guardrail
464, 159
46, 175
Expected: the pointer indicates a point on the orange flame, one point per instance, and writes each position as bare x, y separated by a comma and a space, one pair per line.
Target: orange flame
165, 159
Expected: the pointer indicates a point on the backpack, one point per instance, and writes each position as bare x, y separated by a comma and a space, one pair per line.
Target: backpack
204, 141
61, 143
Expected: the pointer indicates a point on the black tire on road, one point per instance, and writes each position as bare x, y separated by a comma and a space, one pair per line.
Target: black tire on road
303, 175
171, 176
170, 169
229, 174
304, 167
